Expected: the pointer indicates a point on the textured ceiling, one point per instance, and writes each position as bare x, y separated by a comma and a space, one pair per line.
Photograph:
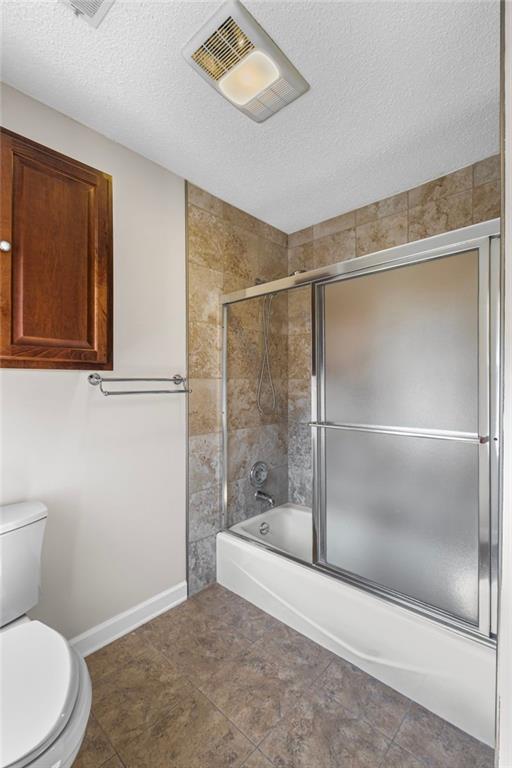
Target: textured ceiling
401, 92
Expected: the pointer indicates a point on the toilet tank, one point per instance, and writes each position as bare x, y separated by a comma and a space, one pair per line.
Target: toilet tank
21, 539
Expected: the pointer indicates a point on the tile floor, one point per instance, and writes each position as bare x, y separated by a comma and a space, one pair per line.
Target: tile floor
217, 683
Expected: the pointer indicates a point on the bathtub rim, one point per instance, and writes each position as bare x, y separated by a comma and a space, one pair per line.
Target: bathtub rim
404, 603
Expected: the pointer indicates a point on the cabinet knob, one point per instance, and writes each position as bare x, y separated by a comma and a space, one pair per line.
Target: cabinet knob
5, 246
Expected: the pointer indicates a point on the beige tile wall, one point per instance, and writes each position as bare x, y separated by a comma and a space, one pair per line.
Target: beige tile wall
254, 436
227, 250
459, 199
299, 399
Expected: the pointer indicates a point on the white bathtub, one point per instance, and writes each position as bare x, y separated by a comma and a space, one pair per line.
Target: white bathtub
450, 674
287, 528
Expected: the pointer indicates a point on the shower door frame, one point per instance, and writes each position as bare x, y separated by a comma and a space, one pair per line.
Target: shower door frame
485, 236
487, 437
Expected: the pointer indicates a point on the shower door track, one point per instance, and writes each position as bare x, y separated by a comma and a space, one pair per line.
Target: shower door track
483, 237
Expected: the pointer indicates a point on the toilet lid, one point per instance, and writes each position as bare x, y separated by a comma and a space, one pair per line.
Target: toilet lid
39, 687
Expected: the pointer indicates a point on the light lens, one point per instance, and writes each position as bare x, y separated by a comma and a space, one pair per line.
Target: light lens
249, 78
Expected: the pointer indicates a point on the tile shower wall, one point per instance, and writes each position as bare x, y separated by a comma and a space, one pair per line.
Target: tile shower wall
227, 250
459, 199
253, 435
299, 397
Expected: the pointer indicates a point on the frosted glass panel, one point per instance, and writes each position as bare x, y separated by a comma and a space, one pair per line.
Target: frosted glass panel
403, 512
401, 346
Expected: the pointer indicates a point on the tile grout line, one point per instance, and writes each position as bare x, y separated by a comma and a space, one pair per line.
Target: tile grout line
225, 220
153, 722
196, 687
257, 751
309, 687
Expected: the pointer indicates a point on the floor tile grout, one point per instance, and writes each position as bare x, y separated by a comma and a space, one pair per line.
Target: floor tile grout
225, 716
210, 614
257, 751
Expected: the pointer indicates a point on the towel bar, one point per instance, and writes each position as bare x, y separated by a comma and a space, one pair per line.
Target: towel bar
96, 380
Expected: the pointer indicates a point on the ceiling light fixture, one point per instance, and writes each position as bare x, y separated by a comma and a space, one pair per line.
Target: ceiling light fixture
234, 54
249, 78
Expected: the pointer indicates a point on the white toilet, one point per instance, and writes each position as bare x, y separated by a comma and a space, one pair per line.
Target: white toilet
45, 689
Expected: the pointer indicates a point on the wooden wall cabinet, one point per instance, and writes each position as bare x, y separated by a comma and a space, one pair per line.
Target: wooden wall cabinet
55, 259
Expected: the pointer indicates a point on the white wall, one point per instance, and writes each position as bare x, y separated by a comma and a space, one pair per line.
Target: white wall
111, 470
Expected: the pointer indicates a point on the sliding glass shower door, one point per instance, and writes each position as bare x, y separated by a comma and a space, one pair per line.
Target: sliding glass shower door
402, 430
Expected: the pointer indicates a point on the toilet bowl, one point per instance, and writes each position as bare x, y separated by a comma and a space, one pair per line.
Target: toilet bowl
45, 688
45, 691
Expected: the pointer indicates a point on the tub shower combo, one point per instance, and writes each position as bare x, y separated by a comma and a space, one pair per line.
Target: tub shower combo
391, 560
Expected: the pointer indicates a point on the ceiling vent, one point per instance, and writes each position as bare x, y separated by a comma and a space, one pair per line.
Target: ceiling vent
93, 11
237, 58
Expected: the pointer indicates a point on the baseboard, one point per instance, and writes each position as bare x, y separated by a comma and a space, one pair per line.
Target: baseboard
102, 634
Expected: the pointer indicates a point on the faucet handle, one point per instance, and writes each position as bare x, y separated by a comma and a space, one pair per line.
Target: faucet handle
258, 474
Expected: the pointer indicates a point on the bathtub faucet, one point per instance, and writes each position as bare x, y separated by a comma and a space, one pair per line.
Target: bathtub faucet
262, 496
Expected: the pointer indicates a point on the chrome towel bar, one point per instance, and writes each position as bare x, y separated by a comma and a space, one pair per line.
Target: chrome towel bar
96, 380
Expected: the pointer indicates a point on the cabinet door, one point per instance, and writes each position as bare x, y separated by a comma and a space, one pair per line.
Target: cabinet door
56, 260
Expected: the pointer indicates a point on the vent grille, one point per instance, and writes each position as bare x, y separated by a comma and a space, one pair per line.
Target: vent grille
222, 50
272, 100
92, 11
88, 7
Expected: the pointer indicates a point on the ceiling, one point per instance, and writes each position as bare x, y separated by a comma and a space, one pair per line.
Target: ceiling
401, 92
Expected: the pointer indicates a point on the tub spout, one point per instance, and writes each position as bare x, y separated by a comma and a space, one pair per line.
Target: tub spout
264, 497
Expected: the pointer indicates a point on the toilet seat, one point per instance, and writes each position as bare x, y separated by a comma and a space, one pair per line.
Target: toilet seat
39, 689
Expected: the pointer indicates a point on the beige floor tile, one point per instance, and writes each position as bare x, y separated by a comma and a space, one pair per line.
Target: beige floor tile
193, 735
126, 702
439, 744
396, 757
295, 653
222, 605
262, 683
320, 733
114, 762
197, 643
115, 655
253, 692
96, 749
257, 760
365, 696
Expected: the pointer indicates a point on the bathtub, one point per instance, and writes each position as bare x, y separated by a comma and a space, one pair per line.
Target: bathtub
286, 528
445, 671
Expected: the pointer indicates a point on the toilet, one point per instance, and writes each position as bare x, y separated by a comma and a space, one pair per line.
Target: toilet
45, 685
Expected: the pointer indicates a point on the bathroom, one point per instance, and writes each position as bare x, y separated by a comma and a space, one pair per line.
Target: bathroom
255, 504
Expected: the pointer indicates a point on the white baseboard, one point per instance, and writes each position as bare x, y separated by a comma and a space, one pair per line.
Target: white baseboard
102, 634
